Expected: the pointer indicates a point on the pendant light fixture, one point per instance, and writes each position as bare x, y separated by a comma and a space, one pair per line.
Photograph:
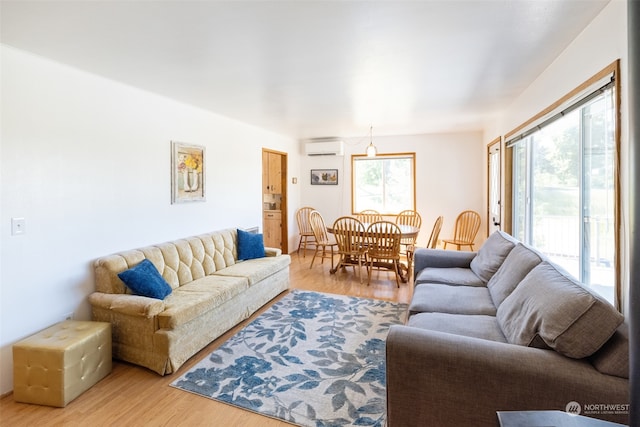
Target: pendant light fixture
372, 151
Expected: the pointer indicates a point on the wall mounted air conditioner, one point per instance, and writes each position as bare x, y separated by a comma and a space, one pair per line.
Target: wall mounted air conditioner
324, 148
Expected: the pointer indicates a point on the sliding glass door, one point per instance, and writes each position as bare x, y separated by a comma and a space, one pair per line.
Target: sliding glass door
564, 191
598, 195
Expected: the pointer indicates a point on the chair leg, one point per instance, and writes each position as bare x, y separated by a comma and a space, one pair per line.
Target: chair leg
335, 270
299, 243
396, 270
409, 262
314, 257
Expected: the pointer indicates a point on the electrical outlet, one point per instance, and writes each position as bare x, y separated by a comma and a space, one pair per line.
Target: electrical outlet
68, 316
18, 226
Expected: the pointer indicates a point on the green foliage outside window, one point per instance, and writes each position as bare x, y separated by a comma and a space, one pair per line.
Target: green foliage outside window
384, 183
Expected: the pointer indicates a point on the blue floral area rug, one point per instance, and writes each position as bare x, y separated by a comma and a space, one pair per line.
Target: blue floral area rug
311, 359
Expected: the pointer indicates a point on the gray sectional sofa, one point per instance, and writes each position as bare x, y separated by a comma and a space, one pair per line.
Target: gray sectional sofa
503, 329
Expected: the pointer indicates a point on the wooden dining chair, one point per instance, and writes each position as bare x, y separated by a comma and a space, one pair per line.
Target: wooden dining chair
464, 234
432, 243
435, 233
304, 228
412, 218
323, 239
383, 246
369, 216
350, 236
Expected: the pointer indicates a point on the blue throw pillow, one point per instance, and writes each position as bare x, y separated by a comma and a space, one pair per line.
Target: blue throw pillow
145, 280
250, 245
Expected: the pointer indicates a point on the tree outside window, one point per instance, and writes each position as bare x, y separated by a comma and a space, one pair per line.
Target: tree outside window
385, 183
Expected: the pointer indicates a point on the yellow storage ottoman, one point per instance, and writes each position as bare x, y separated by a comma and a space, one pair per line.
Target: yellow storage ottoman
56, 365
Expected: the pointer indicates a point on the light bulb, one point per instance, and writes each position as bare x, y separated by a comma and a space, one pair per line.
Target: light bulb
371, 150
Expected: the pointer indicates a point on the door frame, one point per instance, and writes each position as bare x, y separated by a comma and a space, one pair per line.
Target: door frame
492, 223
284, 206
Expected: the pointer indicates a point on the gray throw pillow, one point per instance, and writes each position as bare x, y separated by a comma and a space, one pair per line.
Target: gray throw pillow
551, 306
492, 254
515, 267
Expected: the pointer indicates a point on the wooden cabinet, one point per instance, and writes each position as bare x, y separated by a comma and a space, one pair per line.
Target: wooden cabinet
272, 229
272, 173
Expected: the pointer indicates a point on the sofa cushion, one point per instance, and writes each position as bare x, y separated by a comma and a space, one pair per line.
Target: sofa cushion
179, 262
553, 306
491, 254
613, 357
256, 269
144, 279
191, 300
449, 276
440, 258
439, 298
515, 267
477, 326
250, 245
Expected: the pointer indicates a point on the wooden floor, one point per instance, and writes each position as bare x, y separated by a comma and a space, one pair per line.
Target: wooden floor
135, 396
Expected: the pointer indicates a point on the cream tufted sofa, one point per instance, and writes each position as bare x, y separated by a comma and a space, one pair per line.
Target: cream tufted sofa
212, 292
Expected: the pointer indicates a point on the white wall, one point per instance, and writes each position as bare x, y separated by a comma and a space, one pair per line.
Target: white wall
448, 167
86, 161
600, 44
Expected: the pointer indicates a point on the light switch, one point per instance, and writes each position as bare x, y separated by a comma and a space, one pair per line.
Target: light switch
18, 226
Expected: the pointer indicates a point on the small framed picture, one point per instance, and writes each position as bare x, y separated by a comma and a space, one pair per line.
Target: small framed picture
187, 173
324, 176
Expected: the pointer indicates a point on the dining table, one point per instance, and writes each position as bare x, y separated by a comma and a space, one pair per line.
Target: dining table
406, 232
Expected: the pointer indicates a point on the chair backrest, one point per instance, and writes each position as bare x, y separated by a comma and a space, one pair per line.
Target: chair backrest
302, 218
318, 227
383, 239
369, 216
412, 218
349, 233
435, 233
467, 226
409, 217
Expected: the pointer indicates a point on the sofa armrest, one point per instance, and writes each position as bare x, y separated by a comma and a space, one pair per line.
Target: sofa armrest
132, 305
440, 258
272, 251
440, 379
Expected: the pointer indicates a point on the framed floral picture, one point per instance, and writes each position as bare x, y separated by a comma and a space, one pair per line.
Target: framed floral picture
187, 173
324, 176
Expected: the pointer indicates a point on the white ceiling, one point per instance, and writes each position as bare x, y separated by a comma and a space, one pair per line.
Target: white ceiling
313, 68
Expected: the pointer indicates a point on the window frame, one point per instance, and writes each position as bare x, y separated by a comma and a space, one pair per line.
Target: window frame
364, 157
573, 97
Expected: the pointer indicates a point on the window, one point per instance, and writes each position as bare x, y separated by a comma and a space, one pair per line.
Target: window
565, 187
385, 183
